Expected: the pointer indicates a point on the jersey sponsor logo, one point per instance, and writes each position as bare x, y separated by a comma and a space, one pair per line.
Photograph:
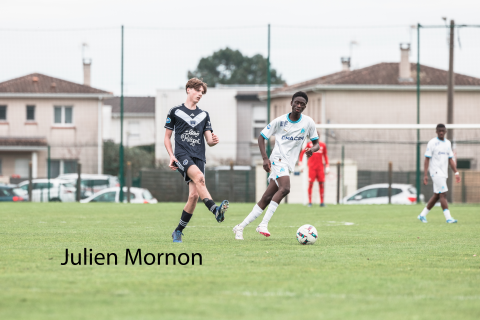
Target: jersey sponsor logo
169, 120
440, 153
191, 137
269, 126
283, 123
185, 162
193, 122
292, 138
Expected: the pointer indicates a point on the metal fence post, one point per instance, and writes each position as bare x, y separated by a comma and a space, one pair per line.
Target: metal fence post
338, 182
390, 182
231, 181
129, 179
79, 181
30, 187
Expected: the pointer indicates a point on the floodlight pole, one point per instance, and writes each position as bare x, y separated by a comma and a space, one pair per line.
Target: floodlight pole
418, 114
450, 95
122, 178
268, 88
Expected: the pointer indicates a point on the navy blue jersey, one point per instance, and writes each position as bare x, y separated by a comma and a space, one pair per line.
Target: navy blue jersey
189, 126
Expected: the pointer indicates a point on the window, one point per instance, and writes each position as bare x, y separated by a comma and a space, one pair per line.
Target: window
30, 113
42, 185
147, 195
464, 164
370, 193
3, 113
58, 167
6, 192
95, 183
133, 129
63, 115
259, 120
383, 192
105, 197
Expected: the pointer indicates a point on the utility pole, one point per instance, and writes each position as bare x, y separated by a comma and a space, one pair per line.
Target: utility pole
121, 171
451, 85
268, 88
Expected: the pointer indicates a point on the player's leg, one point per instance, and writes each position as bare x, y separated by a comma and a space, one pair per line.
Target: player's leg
282, 192
257, 210
198, 178
187, 212
446, 211
312, 175
423, 215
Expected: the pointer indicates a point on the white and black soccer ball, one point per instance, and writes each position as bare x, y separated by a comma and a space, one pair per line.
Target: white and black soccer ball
307, 234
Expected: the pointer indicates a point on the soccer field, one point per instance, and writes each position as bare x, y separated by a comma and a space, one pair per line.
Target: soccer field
370, 262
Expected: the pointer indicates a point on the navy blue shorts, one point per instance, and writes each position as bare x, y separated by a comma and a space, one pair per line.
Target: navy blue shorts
185, 161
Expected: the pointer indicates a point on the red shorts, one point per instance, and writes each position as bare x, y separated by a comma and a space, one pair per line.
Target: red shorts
316, 174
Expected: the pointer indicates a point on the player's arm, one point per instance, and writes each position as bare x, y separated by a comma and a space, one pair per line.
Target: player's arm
314, 148
211, 138
168, 146
425, 170
453, 165
266, 162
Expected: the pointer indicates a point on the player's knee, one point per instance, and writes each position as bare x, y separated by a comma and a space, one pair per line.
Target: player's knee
199, 179
193, 197
285, 191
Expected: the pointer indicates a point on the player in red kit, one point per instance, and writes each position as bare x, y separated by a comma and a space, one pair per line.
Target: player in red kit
315, 170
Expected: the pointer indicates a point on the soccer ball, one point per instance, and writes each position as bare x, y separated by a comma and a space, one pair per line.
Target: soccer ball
307, 234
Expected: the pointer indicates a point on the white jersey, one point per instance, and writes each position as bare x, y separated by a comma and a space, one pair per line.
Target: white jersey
289, 138
439, 153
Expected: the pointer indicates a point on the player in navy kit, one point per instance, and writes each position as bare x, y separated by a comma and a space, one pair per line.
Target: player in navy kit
191, 124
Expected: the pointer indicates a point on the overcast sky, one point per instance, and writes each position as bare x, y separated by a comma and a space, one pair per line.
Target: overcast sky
165, 39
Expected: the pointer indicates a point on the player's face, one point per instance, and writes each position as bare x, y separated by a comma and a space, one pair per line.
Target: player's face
299, 104
441, 132
195, 94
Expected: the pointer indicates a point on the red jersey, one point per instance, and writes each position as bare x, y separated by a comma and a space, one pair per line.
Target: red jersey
315, 161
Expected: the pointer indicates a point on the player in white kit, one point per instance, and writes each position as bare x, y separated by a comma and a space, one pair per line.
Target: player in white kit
437, 157
290, 131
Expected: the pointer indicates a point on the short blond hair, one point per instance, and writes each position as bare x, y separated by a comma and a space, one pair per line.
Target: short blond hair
196, 83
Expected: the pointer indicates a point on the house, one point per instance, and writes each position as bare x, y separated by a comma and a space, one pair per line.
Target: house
237, 116
40, 112
385, 93
138, 120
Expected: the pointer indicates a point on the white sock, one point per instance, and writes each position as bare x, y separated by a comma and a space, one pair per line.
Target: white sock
447, 214
424, 212
268, 215
256, 212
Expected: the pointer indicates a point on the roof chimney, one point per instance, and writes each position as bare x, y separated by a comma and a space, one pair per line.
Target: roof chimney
86, 71
404, 73
345, 63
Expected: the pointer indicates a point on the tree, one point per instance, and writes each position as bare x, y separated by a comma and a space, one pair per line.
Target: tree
227, 66
140, 157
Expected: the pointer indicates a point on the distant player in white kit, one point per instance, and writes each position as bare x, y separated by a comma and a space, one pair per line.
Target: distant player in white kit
437, 157
290, 131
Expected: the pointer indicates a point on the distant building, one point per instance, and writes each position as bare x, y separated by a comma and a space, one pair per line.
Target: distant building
138, 120
385, 93
37, 111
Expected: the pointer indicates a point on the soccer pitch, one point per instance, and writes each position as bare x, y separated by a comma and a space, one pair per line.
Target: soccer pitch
370, 262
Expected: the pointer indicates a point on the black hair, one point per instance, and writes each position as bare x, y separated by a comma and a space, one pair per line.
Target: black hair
440, 126
300, 94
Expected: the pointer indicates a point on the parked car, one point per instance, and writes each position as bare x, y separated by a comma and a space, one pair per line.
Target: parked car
137, 195
378, 194
60, 190
92, 183
7, 193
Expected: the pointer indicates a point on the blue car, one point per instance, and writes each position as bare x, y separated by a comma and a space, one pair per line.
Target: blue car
7, 194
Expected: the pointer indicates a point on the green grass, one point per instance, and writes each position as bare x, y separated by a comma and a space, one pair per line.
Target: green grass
387, 265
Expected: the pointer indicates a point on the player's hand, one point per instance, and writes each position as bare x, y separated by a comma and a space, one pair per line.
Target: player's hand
173, 165
308, 152
425, 180
267, 166
327, 169
215, 139
457, 178
300, 165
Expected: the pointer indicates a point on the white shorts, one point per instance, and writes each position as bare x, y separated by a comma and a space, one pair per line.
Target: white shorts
439, 185
278, 170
